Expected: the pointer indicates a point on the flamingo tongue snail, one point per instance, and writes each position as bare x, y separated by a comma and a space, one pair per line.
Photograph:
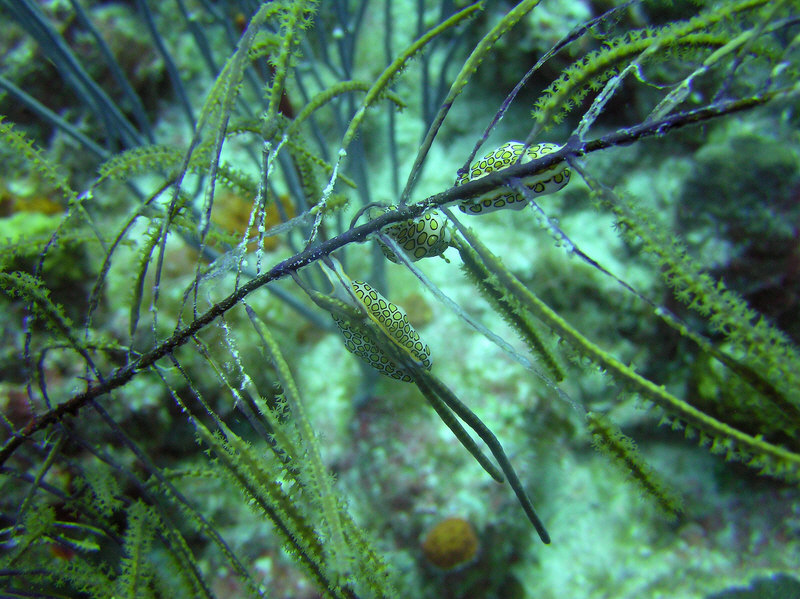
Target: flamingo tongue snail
543, 182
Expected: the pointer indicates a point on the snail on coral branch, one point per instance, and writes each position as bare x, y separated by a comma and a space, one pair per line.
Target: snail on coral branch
378, 331
419, 238
374, 329
543, 182
394, 321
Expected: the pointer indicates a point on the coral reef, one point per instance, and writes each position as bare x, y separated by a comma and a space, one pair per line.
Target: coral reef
603, 380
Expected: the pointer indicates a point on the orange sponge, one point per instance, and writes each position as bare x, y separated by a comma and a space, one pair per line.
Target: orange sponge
450, 543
